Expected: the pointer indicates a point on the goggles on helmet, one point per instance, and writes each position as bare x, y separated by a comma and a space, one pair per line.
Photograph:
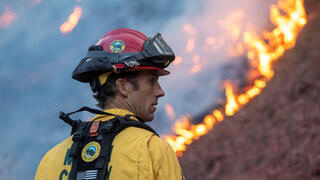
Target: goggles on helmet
158, 50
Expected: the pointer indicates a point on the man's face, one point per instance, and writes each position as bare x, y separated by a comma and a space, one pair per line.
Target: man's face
143, 101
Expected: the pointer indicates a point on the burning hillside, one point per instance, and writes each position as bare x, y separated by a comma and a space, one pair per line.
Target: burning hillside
276, 135
288, 18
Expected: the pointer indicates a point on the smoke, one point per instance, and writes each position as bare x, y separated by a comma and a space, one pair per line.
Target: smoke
37, 61
207, 39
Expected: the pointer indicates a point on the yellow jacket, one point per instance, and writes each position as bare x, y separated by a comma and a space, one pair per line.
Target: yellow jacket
137, 154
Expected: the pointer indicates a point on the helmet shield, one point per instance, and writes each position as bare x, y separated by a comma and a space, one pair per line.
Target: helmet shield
157, 50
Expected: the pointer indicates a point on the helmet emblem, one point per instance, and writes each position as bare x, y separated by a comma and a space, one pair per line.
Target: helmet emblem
117, 46
90, 152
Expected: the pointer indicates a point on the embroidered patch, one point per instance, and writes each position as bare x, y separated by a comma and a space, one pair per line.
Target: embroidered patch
117, 46
90, 152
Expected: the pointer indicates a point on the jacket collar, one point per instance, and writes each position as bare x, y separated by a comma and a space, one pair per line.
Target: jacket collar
119, 112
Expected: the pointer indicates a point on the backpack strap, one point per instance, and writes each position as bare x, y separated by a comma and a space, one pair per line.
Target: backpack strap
107, 131
106, 143
75, 149
127, 122
110, 131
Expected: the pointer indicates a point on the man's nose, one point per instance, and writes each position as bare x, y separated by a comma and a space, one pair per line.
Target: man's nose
160, 92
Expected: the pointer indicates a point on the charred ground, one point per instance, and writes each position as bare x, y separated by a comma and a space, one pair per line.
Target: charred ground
277, 134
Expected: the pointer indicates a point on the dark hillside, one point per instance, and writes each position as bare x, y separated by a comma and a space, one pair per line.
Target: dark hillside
276, 135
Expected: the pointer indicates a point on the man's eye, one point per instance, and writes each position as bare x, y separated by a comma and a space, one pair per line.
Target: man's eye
153, 80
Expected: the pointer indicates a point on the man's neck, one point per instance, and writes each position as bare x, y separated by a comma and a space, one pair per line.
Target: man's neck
119, 104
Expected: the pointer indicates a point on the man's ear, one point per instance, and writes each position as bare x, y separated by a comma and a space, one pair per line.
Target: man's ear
122, 86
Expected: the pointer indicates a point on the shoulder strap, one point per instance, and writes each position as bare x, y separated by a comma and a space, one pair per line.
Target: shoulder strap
107, 132
75, 124
65, 117
75, 149
125, 121
110, 131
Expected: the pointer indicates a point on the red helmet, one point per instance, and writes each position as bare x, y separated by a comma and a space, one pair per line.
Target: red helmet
122, 50
122, 40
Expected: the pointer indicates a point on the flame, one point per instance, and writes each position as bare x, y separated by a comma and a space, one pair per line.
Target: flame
289, 17
280, 38
218, 115
186, 132
210, 40
170, 111
197, 65
191, 32
190, 45
7, 17
232, 105
237, 50
189, 29
177, 60
72, 21
230, 24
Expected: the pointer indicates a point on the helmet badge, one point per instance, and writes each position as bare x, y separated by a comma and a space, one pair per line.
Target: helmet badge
117, 46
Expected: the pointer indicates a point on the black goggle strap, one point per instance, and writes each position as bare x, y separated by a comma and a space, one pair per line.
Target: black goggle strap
130, 59
98, 53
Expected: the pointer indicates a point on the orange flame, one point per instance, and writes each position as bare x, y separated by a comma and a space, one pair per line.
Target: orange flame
210, 40
7, 17
197, 66
190, 45
72, 21
289, 17
186, 132
281, 38
230, 24
236, 51
190, 30
170, 111
232, 105
177, 60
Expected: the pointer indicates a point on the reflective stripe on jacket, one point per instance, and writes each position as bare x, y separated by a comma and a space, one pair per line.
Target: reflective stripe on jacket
136, 154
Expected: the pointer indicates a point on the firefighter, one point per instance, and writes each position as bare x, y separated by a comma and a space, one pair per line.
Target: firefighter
123, 70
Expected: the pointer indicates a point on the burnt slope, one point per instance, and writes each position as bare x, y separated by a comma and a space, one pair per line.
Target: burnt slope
276, 135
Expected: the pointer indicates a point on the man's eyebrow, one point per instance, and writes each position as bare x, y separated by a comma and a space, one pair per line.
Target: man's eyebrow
155, 75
